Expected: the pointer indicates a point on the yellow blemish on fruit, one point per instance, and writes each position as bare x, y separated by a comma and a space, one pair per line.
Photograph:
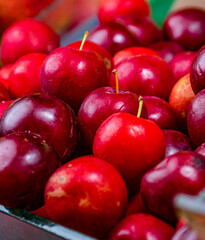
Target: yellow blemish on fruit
85, 202
105, 188
57, 193
118, 203
70, 165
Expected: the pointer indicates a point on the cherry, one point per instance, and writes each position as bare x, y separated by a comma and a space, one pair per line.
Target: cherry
26, 36
187, 27
82, 195
113, 36
176, 142
24, 78
144, 29
144, 75
71, 74
131, 144
141, 226
180, 98
196, 118
160, 112
182, 172
167, 49
132, 51
109, 9
27, 162
197, 72
100, 104
91, 46
46, 116
181, 63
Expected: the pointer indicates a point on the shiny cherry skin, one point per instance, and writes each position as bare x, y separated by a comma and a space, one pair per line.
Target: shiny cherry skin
187, 27
176, 142
24, 78
26, 36
4, 105
5, 73
82, 195
132, 145
196, 119
182, 172
140, 227
26, 163
144, 29
179, 99
100, 104
144, 75
167, 49
197, 72
46, 116
71, 74
131, 52
181, 63
160, 112
91, 46
110, 9
113, 36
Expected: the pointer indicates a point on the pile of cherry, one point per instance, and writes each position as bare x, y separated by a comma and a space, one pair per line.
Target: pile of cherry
102, 134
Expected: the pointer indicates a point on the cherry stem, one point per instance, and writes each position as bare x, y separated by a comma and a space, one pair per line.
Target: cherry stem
116, 80
141, 100
83, 41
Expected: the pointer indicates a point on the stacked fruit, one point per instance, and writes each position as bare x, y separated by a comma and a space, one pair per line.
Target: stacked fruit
138, 138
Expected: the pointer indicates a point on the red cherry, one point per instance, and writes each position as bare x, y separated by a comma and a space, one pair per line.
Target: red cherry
132, 145
27, 162
46, 116
187, 27
113, 36
141, 226
176, 142
109, 9
82, 195
91, 46
144, 29
25, 75
182, 172
100, 104
160, 112
144, 75
71, 74
196, 118
26, 36
181, 63
132, 51
180, 98
167, 49
197, 72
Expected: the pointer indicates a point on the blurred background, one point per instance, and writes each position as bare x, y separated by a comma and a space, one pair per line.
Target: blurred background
65, 15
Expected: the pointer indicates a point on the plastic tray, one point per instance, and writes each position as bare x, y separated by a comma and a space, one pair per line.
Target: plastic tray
18, 224
192, 209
